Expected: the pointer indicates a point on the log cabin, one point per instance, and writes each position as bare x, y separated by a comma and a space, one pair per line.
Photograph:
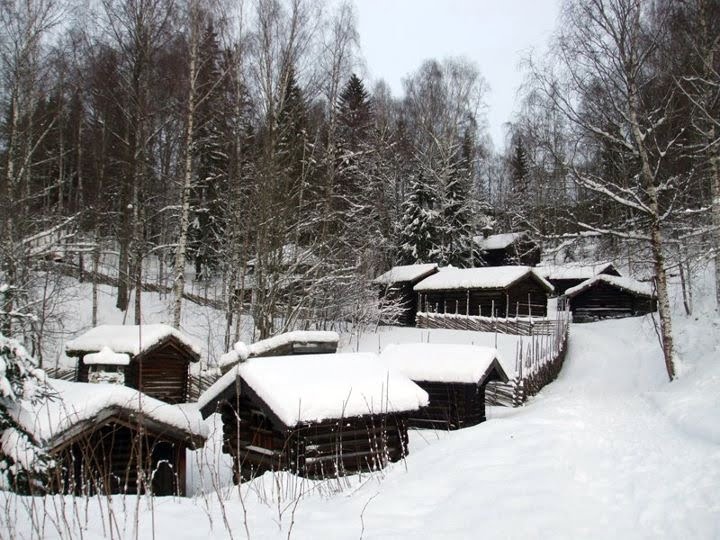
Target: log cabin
287, 344
396, 285
610, 297
500, 291
566, 276
454, 376
152, 358
101, 435
515, 248
318, 416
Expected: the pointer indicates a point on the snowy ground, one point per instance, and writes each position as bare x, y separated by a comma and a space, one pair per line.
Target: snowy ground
610, 449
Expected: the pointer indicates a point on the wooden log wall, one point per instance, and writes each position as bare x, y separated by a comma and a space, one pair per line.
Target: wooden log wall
526, 298
451, 406
320, 450
107, 460
603, 301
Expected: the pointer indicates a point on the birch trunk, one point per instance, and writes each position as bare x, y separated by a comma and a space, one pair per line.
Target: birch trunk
181, 249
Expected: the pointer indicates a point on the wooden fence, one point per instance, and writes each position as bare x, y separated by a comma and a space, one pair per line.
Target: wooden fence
523, 326
538, 362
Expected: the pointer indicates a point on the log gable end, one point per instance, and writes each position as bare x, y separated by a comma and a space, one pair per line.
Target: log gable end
161, 371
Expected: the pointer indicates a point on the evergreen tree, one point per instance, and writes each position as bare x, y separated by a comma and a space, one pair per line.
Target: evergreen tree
211, 186
519, 202
420, 234
24, 465
458, 243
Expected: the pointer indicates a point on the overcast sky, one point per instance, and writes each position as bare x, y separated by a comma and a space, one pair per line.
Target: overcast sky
397, 35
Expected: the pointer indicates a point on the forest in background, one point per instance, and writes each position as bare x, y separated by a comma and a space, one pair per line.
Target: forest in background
241, 141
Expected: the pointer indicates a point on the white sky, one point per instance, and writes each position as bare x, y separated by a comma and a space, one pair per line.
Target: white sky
397, 35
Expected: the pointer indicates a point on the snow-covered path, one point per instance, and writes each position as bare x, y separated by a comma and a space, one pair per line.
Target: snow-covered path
592, 456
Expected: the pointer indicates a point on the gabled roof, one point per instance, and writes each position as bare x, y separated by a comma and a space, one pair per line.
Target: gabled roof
305, 340
494, 277
311, 388
433, 362
499, 241
409, 272
79, 407
128, 339
575, 271
634, 287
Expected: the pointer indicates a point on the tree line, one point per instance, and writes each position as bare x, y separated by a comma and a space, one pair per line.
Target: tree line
241, 140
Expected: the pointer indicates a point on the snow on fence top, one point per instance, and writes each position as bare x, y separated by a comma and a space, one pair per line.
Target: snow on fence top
498, 241
435, 362
129, 339
241, 351
630, 285
316, 387
573, 271
77, 402
494, 277
409, 272
107, 357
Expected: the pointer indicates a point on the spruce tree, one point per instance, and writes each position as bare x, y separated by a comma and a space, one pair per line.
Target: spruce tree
24, 465
420, 229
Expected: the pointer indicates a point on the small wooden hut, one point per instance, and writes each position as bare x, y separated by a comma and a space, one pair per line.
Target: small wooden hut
318, 416
396, 285
515, 248
152, 358
566, 276
287, 344
101, 435
454, 376
501, 291
610, 297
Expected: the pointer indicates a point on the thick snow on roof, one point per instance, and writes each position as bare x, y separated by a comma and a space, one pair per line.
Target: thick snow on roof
409, 272
497, 241
107, 357
314, 387
127, 339
628, 284
241, 351
572, 271
78, 402
440, 362
493, 277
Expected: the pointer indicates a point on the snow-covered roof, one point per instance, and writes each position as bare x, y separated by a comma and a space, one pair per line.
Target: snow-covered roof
130, 339
628, 284
494, 277
573, 271
443, 363
498, 241
409, 272
51, 420
315, 387
241, 351
107, 357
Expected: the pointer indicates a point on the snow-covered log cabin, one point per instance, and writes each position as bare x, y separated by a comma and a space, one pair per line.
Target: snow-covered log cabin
610, 297
500, 291
152, 358
318, 416
286, 344
566, 276
507, 249
454, 376
101, 435
396, 285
